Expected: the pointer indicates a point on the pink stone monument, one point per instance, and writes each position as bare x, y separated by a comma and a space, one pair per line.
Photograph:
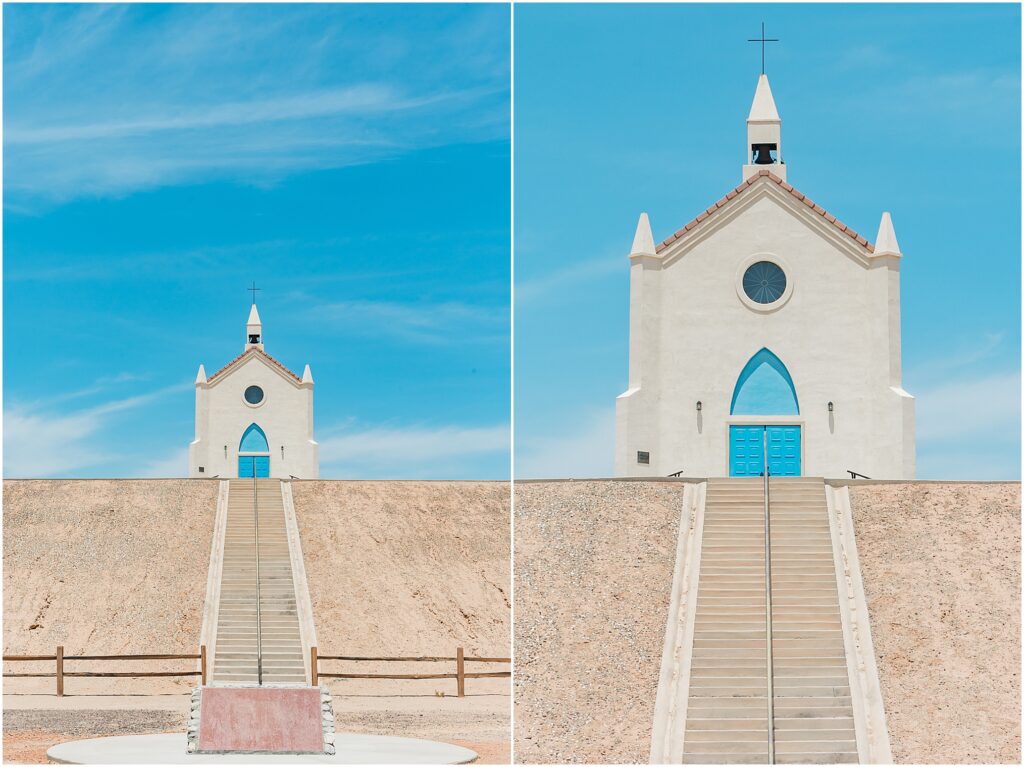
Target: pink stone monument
272, 720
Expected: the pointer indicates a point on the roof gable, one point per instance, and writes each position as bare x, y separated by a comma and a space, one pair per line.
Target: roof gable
260, 355
850, 237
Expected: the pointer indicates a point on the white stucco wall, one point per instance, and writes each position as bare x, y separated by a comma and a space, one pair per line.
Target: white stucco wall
285, 415
838, 334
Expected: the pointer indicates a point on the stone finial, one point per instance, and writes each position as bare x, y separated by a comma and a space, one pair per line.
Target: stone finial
201, 376
643, 240
307, 375
885, 242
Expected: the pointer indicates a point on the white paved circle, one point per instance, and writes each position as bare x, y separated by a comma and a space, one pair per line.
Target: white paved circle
170, 749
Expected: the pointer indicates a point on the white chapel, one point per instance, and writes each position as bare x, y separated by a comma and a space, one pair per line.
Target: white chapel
254, 417
765, 332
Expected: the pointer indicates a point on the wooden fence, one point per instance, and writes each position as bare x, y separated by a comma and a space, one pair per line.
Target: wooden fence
60, 659
460, 675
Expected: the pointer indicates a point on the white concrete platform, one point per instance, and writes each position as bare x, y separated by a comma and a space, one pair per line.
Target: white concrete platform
170, 749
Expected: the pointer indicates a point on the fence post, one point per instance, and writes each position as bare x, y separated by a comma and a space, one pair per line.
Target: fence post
314, 672
60, 671
460, 671
202, 659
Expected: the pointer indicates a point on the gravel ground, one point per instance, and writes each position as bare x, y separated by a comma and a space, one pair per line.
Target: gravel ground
941, 568
28, 733
594, 562
104, 566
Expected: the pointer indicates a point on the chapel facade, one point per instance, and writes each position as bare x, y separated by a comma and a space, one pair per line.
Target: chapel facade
254, 417
765, 332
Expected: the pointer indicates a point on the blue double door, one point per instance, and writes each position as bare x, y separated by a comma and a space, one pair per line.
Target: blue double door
253, 466
747, 451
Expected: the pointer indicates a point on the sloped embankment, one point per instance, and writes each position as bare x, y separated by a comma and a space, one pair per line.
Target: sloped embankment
105, 566
407, 568
941, 568
594, 563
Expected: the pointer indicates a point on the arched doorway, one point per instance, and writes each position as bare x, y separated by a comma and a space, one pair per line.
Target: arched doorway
253, 453
763, 396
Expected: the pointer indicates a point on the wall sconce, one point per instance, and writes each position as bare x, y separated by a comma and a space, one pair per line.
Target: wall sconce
698, 406
830, 407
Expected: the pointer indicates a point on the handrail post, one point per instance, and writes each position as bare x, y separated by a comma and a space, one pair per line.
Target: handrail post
202, 664
460, 670
314, 672
60, 671
769, 663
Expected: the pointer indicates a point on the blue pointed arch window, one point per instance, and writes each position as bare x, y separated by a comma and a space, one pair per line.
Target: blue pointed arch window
764, 387
254, 441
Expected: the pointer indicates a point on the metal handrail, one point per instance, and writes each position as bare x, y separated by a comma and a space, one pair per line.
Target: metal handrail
677, 473
259, 599
768, 605
854, 475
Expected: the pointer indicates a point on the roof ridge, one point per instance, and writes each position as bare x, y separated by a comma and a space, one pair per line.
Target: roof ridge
789, 188
244, 354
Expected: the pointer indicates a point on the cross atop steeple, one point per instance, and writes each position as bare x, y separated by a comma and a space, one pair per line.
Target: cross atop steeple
253, 289
762, 39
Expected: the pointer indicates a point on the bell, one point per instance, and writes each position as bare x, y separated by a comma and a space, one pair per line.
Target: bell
763, 154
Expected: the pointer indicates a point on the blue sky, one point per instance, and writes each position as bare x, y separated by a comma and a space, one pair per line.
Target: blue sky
352, 160
913, 109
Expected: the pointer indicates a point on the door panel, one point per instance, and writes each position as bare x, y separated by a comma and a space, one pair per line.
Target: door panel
784, 451
746, 451
254, 466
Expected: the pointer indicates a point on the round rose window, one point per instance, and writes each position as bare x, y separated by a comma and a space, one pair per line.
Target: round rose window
764, 282
254, 395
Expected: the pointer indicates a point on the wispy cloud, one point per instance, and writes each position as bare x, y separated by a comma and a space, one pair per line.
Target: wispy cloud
438, 452
39, 442
982, 413
587, 450
174, 464
429, 323
569, 277
217, 93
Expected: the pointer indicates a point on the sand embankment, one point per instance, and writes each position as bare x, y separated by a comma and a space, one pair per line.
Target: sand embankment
594, 563
941, 568
106, 566
407, 568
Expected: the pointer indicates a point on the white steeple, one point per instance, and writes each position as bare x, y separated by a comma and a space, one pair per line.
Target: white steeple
764, 134
643, 240
885, 242
254, 330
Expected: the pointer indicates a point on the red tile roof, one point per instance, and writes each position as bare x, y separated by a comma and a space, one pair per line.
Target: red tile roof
789, 188
262, 354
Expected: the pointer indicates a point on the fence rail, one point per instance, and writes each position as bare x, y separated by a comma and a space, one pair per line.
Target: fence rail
60, 659
460, 675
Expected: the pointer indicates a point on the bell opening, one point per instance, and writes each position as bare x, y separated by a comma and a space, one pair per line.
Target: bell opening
763, 154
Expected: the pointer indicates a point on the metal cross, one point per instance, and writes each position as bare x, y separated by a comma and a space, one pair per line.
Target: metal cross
254, 289
762, 39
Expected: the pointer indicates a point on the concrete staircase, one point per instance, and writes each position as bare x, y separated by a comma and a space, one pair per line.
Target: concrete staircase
727, 707
241, 628
813, 707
